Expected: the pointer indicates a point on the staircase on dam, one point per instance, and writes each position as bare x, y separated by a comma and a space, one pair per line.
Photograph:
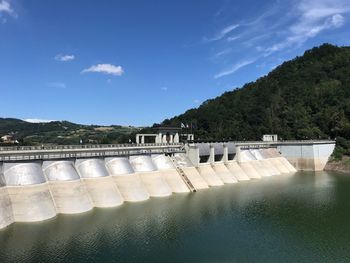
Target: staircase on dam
183, 175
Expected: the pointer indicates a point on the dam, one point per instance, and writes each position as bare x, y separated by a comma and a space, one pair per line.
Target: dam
37, 183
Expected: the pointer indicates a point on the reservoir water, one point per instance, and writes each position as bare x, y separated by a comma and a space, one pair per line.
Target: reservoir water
289, 218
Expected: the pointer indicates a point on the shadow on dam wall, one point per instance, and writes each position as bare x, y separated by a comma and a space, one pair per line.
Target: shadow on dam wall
145, 229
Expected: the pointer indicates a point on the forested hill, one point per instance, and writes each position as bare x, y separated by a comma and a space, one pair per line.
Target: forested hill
62, 132
305, 98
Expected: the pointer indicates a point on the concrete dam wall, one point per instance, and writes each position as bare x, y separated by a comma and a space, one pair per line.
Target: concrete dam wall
29, 192
155, 183
68, 191
39, 190
308, 156
127, 181
99, 184
165, 165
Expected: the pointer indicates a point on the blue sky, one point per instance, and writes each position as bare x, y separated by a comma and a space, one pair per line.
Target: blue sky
139, 62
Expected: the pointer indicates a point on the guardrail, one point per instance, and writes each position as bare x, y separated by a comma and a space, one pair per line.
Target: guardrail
81, 151
257, 144
83, 146
268, 142
277, 143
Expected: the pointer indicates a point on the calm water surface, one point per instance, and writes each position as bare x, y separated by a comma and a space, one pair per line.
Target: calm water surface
296, 218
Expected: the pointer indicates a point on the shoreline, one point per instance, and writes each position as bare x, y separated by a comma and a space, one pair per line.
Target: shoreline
342, 166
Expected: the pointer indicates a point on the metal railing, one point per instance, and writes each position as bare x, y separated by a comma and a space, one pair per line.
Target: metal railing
82, 146
26, 153
268, 142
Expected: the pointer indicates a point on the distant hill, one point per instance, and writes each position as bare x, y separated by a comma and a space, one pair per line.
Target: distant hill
63, 132
305, 98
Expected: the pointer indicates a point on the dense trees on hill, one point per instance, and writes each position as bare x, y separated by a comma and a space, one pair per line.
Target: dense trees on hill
62, 132
305, 98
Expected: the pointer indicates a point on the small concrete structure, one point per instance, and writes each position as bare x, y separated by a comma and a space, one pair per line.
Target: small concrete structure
187, 136
270, 138
140, 137
163, 135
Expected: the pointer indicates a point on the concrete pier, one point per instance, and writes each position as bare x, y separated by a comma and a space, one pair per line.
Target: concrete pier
237, 171
153, 180
260, 166
224, 173
128, 183
265, 162
99, 184
248, 164
275, 161
68, 191
202, 157
275, 154
209, 175
168, 171
191, 171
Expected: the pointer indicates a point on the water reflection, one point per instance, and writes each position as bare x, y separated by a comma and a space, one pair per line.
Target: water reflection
290, 218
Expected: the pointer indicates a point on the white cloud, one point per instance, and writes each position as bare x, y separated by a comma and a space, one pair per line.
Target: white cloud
223, 52
322, 8
285, 25
337, 20
313, 18
223, 32
235, 67
303, 32
5, 7
233, 38
36, 120
106, 69
228, 29
64, 58
59, 85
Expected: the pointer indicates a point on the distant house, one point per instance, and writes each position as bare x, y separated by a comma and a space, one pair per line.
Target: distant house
9, 138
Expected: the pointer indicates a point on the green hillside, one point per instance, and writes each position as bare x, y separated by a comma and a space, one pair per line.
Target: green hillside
62, 132
305, 98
